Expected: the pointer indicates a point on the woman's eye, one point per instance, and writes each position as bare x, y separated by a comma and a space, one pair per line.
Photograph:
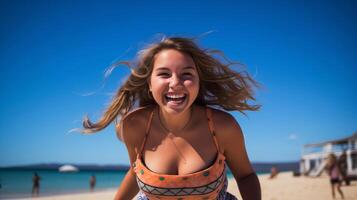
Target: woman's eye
164, 74
187, 74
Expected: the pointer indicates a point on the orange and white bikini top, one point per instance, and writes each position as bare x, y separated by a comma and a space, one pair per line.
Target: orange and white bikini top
204, 184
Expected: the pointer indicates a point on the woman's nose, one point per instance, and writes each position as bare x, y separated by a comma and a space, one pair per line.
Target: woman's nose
174, 81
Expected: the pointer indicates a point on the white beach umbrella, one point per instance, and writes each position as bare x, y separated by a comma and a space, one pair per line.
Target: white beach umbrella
68, 168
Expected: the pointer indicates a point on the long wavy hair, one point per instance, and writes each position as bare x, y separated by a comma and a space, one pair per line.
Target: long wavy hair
220, 86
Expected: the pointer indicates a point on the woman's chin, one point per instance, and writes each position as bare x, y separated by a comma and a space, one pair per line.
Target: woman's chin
176, 108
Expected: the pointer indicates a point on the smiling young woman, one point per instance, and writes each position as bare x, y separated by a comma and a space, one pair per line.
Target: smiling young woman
180, 139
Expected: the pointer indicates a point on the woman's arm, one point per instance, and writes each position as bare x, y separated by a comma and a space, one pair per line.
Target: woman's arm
231, 138
128, 187
132, 135
249, 187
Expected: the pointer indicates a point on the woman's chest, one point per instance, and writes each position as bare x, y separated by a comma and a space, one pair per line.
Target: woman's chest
179, 155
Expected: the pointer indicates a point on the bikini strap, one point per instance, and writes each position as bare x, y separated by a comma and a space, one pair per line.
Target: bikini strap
211, 127
148, 125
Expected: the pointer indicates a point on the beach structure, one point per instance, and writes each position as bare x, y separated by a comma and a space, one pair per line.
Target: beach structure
68, 168
313, 159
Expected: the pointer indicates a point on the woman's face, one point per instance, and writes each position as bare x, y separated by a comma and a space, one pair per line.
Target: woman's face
174, 81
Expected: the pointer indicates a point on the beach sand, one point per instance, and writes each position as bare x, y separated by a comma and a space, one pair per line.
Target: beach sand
287, 187
283, 187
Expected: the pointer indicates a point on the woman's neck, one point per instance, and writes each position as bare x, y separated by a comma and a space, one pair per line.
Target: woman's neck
175, 123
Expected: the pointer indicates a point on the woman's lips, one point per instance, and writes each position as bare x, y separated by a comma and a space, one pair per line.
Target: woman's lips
175, 99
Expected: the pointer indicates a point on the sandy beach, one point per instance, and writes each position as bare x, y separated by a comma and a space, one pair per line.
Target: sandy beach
283, 187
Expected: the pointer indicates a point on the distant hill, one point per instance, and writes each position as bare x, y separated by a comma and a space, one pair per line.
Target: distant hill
259, 167
55, 166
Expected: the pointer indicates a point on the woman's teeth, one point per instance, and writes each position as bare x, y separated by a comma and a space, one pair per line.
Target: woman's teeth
175, 97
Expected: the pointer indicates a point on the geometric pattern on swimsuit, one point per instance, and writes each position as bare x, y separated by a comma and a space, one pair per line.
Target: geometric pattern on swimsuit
223, 194
184, 191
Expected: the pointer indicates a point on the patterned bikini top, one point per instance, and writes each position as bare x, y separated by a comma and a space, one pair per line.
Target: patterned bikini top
210, 183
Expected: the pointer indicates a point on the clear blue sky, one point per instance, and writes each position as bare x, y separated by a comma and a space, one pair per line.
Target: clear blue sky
304, 53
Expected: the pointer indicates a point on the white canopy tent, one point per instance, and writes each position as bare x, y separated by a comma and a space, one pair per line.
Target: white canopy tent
68, 168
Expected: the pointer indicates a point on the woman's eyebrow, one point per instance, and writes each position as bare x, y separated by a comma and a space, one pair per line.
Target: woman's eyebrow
165, 68
189, 67
161, 69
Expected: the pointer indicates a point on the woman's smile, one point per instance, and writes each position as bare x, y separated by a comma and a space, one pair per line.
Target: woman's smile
175, 98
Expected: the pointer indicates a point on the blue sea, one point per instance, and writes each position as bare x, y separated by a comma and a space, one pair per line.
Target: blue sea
18, 183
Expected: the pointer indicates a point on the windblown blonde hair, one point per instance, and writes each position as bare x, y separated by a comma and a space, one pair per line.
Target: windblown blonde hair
220, 86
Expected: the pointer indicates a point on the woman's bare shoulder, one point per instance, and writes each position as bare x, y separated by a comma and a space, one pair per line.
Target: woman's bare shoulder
226, 126
131, 128
222, 118
137, 115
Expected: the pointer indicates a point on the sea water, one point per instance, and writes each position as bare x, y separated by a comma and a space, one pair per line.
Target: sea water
18, 183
